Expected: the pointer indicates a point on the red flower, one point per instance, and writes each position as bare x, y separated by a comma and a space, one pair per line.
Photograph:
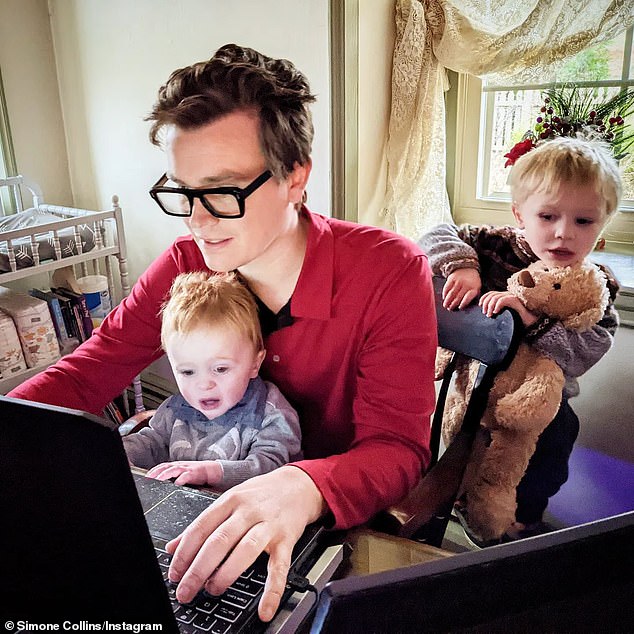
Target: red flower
518, 150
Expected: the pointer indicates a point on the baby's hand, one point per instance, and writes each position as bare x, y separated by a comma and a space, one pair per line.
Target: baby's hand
495, 302
461, 288
188, 471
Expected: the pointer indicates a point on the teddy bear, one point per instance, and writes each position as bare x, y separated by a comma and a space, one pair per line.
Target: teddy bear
524, 398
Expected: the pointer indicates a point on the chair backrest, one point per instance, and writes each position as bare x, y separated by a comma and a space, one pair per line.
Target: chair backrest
492, 343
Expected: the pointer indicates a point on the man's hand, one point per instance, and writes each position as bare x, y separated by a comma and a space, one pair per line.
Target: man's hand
494, 302
461, 288
267, 513
188, 471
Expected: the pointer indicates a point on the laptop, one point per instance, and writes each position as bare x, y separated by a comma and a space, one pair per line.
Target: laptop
83, 538
577, 579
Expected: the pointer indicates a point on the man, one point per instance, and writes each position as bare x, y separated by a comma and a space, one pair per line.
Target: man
347, 314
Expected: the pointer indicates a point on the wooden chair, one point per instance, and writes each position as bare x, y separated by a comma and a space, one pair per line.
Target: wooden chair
424, 514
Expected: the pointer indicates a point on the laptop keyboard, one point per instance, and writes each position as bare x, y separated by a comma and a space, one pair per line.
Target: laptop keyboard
227, 613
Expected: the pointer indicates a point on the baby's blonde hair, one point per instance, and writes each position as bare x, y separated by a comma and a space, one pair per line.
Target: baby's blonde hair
200, 299
572, 160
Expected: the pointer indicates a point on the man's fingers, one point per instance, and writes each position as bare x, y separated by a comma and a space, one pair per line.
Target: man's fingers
193, 560
240, 558
279, 565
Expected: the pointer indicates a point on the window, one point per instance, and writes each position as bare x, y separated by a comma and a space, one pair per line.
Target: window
480, 192
7, 157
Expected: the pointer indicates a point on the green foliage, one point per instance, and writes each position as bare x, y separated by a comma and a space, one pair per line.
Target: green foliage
592, 64
569, 110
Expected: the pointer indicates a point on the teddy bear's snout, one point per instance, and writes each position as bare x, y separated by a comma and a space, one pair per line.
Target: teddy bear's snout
526, 280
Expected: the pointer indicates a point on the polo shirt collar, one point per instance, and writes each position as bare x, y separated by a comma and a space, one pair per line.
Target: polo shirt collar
312, 296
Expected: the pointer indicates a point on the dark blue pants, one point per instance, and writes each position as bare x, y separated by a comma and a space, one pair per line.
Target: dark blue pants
548, 468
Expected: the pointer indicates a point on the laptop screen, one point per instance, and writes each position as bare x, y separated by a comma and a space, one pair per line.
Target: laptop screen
75, 542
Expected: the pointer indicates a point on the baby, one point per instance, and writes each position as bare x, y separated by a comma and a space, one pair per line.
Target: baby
227, 424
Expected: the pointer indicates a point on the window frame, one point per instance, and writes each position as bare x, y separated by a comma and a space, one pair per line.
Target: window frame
468, 206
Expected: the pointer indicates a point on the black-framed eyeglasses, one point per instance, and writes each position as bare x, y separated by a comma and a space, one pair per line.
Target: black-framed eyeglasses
220, 202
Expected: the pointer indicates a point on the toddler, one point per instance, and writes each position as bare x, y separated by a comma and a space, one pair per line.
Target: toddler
227, 424
563, 194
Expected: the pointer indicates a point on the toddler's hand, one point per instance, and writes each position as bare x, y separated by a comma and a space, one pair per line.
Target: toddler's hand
461, 288
188, 472
495, 302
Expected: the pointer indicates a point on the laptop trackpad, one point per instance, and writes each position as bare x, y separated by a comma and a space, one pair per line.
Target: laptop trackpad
169, 509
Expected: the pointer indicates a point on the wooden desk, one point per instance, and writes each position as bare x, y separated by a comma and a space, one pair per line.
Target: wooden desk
376, 552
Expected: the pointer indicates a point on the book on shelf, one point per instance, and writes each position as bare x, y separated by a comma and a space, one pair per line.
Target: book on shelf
55, 308
83, 314
69, 315
80, 301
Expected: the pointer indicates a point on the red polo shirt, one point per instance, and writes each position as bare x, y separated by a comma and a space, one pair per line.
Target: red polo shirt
357, 362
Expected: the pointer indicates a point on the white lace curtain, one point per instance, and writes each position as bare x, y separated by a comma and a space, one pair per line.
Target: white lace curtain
507, 40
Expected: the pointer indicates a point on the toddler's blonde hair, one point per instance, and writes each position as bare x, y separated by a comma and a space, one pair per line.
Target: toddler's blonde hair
200, 299
572, 160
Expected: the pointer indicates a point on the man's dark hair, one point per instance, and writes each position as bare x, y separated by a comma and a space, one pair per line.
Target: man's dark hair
238, 78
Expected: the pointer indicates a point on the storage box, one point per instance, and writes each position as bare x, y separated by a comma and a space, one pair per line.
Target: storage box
377, 552
11, 356
33, 322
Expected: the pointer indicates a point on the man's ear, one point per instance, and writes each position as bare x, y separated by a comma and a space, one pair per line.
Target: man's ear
259, 357
517, 215
297, 181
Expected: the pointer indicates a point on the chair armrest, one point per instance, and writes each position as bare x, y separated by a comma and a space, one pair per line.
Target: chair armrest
136, 422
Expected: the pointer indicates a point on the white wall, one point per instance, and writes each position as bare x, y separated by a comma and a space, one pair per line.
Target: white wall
30, 83
376, 43
112, 56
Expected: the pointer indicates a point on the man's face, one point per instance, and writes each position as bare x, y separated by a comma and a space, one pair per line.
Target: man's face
227, 153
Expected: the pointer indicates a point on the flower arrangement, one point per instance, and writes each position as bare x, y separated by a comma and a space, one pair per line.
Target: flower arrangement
570, 111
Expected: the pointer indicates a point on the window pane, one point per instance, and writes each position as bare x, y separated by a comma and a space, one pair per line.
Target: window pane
601, 62
514, 113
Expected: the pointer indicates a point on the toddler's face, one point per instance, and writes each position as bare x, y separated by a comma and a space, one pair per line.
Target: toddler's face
212, 367
562, 226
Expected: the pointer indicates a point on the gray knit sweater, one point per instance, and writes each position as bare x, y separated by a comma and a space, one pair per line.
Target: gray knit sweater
255, 436
497, 253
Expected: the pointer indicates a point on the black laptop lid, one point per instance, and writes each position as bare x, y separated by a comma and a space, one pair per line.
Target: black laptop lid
75, 544
573, 580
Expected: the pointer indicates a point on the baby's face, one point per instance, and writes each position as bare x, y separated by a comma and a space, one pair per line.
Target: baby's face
562, 226
213, 367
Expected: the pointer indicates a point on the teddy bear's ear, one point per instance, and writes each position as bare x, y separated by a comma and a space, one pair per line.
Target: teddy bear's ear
525, 279
584, 320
